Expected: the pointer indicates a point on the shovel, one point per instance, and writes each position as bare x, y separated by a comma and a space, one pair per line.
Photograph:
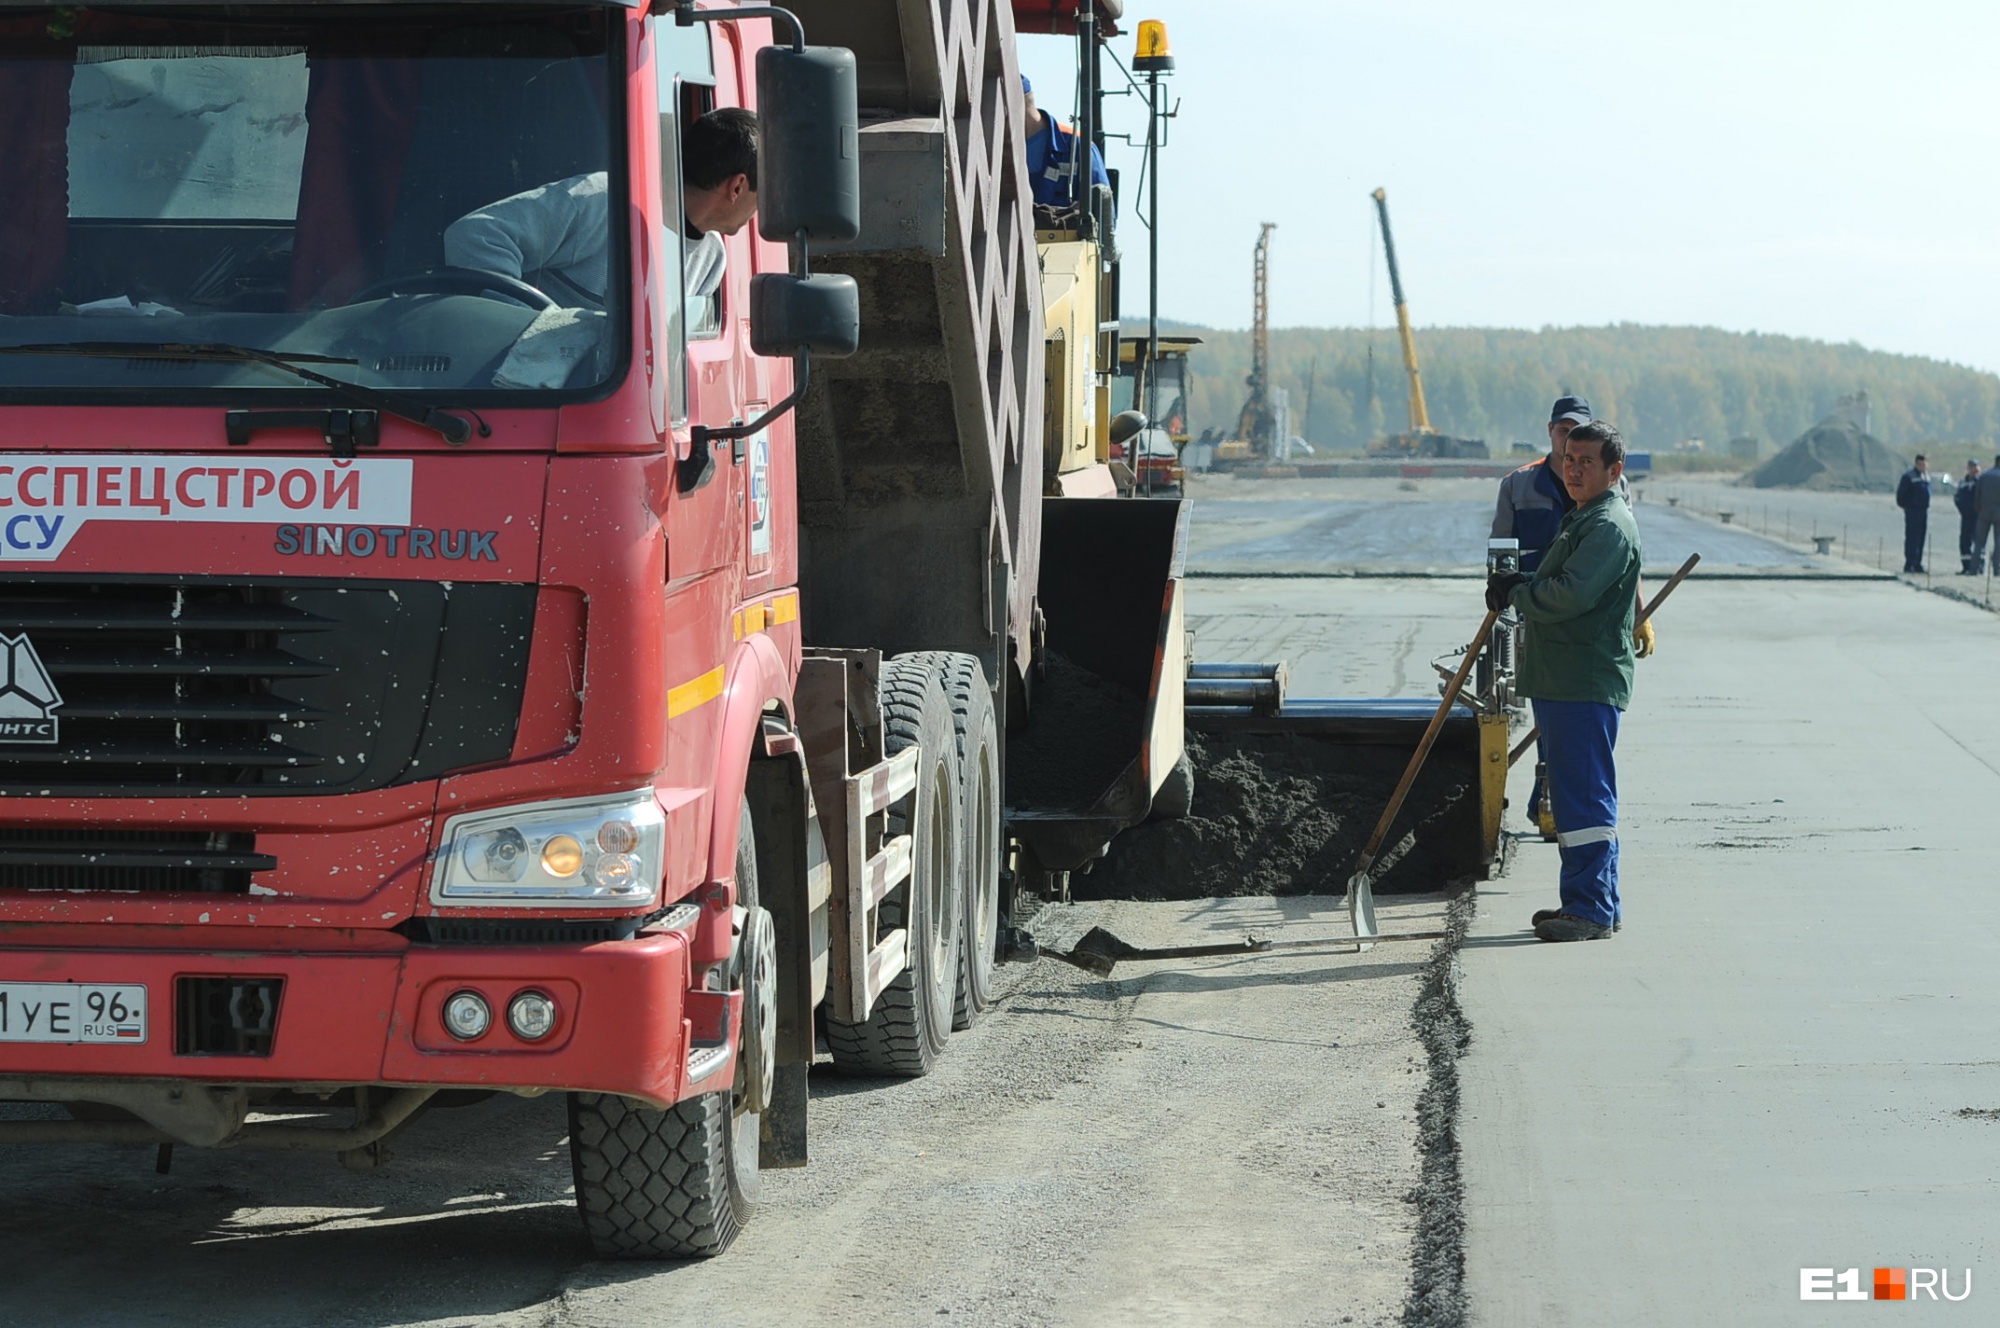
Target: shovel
1099, 951
1360, 885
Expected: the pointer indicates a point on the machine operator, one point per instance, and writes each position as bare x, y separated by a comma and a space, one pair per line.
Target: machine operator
1053, 158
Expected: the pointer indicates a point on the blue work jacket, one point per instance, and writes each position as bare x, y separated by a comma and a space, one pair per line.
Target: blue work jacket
1052, 163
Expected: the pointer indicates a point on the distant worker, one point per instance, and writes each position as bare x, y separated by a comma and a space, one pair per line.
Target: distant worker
1971, 560
1913, 495
1986, 502
1576, 667
1053, 158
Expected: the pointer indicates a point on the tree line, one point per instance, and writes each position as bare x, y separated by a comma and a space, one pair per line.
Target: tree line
1660, 385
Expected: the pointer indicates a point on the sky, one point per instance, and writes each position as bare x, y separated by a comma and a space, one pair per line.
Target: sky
1827, 169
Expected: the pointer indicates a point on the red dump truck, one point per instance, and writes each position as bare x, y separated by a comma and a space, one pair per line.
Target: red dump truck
427, 678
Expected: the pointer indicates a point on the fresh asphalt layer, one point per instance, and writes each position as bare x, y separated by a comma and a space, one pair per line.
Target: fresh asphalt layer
1781, 1062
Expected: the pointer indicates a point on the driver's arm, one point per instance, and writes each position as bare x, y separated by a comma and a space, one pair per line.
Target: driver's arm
560, 227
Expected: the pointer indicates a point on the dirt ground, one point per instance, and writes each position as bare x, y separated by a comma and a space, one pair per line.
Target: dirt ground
1214, 1141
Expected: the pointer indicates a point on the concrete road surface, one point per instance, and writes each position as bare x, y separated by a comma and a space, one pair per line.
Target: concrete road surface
1790, 1057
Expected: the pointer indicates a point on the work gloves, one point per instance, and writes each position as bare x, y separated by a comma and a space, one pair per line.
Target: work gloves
1642, 640
1500, 585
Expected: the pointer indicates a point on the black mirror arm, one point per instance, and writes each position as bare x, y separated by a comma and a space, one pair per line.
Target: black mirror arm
698, 466
686, 16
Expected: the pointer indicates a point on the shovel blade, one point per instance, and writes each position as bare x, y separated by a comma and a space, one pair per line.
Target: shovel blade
1361, 908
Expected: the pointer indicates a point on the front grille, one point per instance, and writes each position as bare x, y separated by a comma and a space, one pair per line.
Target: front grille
520, 931
226, 1016
209, 688
141, 861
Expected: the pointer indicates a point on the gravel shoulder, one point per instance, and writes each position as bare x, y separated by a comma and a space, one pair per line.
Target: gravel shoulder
1225, 1140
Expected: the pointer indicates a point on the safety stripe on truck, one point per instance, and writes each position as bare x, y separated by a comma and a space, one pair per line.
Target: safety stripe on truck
699, 692
761, 617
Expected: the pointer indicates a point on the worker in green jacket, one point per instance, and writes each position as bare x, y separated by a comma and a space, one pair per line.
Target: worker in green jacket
1576, 666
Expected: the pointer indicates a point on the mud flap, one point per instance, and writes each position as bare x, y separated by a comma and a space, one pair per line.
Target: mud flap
796, 881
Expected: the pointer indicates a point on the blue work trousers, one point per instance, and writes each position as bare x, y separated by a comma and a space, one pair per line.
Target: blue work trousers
1916, 523
1583, 793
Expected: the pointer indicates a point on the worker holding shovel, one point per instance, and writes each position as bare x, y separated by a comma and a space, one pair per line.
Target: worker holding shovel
1576, 666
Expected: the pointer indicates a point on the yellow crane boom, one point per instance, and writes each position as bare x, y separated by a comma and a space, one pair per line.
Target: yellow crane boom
1420, 415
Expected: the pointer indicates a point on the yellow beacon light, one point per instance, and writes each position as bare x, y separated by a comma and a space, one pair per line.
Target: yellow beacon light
1154, 56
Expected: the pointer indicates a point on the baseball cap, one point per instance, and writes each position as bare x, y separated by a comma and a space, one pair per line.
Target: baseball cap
1574, 409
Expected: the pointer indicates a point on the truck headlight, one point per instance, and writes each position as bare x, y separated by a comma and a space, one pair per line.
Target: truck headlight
596, 852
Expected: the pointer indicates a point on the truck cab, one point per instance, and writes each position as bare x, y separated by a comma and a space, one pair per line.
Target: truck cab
382, 660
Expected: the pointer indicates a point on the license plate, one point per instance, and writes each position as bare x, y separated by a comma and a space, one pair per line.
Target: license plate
71, 1012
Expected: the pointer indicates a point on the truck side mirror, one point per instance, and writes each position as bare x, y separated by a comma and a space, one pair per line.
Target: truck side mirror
819, 314
809, 144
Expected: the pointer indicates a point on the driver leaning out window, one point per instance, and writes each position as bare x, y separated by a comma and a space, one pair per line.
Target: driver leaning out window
556, 237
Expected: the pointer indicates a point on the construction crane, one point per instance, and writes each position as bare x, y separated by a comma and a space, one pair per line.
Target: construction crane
1256, 426
1420, 415
1422, 439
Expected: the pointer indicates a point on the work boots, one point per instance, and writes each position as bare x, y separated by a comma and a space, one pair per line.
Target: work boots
1553, 926
1541, 915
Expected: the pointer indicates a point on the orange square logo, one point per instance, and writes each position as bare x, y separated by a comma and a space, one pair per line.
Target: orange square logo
1892, 1284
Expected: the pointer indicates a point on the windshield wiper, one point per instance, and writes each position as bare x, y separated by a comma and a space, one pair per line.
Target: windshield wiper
454, 429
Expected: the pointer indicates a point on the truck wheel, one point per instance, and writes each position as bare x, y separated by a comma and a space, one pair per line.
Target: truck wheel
907, 1029
1175, 798
978, 737
678, 1183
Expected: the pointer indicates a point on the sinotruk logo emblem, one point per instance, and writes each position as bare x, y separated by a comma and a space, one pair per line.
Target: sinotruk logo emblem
28, 697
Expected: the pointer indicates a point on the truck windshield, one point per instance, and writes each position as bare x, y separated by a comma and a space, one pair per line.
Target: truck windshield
412, 199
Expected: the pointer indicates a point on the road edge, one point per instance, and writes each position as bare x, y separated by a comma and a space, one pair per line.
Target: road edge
1437, 1252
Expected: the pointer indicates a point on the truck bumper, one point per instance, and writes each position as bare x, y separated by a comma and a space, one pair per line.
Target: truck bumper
360, 1017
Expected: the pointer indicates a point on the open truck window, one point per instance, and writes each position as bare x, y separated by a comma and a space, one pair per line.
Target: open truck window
418, 200
687, 92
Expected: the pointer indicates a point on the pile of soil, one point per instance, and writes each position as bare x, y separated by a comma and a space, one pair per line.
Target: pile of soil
1083, 730
1834, 454
1287, 814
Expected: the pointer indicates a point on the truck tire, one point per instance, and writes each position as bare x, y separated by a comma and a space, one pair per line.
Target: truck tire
678, 1183
907, 1029
978, 735
1175, 798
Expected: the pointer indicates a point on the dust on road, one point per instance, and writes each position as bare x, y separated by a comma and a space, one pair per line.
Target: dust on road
1229, 1139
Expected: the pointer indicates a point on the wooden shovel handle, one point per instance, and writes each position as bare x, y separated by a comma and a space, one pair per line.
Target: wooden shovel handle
1450, 698
1644, 613
1653, 604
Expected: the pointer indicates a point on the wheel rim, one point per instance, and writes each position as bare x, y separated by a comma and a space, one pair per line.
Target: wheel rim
762, 1005
986, 908
937, 886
